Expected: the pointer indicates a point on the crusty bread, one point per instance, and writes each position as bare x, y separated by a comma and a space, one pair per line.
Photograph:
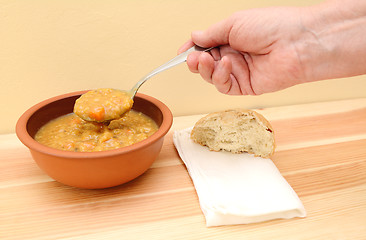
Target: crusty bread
235, 131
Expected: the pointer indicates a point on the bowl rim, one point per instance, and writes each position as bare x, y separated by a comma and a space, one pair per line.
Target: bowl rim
32, 144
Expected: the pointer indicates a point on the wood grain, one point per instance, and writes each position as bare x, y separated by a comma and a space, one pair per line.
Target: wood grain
321, 153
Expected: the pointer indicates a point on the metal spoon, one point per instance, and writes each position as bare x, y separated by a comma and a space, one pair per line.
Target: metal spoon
96, 105
173, 62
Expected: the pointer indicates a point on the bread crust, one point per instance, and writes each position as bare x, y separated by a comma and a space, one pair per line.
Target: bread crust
227, 118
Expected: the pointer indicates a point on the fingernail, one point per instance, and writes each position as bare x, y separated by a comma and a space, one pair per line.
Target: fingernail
222, 62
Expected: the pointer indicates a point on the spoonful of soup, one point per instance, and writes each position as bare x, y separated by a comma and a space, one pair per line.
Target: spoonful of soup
103, 104
106, 104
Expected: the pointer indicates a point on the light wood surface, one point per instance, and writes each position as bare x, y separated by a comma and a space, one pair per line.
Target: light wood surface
321, 153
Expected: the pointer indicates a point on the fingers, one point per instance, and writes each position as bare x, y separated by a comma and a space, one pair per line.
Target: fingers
215, 53
217, 73
202, 63
192, 61
229, 74
187, 45
206, 66
221, 77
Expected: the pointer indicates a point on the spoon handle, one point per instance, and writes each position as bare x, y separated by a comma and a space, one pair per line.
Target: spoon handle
173, 62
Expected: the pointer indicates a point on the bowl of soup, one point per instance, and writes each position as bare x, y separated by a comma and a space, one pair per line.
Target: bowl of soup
94, 155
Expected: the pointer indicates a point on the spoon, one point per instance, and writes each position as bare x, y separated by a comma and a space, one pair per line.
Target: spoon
173, 62
103, 105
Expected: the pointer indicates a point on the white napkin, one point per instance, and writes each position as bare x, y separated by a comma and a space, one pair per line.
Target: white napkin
236, 188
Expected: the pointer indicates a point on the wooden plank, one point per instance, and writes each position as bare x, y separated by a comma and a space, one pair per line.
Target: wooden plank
322, 154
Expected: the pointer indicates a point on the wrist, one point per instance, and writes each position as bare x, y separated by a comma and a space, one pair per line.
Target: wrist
332, 43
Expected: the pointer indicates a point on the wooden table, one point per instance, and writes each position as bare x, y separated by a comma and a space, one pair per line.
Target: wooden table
321, 153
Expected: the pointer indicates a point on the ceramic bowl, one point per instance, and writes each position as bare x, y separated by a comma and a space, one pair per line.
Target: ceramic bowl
93, 170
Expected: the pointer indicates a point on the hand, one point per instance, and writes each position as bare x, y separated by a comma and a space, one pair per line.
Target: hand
256, 53
269, 49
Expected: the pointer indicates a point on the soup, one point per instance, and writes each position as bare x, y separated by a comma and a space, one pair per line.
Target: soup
103, 104
71, 133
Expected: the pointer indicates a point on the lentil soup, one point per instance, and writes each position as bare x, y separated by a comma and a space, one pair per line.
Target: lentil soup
71, 133
103, 104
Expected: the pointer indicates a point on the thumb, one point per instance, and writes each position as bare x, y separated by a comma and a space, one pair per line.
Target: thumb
216, 34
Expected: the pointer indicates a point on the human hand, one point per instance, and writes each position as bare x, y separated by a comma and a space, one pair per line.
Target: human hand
256, 52
269, 49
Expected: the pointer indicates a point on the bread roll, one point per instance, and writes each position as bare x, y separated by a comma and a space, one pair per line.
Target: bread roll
235, 131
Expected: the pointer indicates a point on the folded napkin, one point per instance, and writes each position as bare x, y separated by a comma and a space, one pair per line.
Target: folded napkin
236, 188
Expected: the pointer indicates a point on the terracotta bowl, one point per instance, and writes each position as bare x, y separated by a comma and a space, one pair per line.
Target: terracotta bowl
93, 170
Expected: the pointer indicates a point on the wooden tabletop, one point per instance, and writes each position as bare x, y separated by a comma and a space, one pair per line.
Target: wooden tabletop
321, 152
